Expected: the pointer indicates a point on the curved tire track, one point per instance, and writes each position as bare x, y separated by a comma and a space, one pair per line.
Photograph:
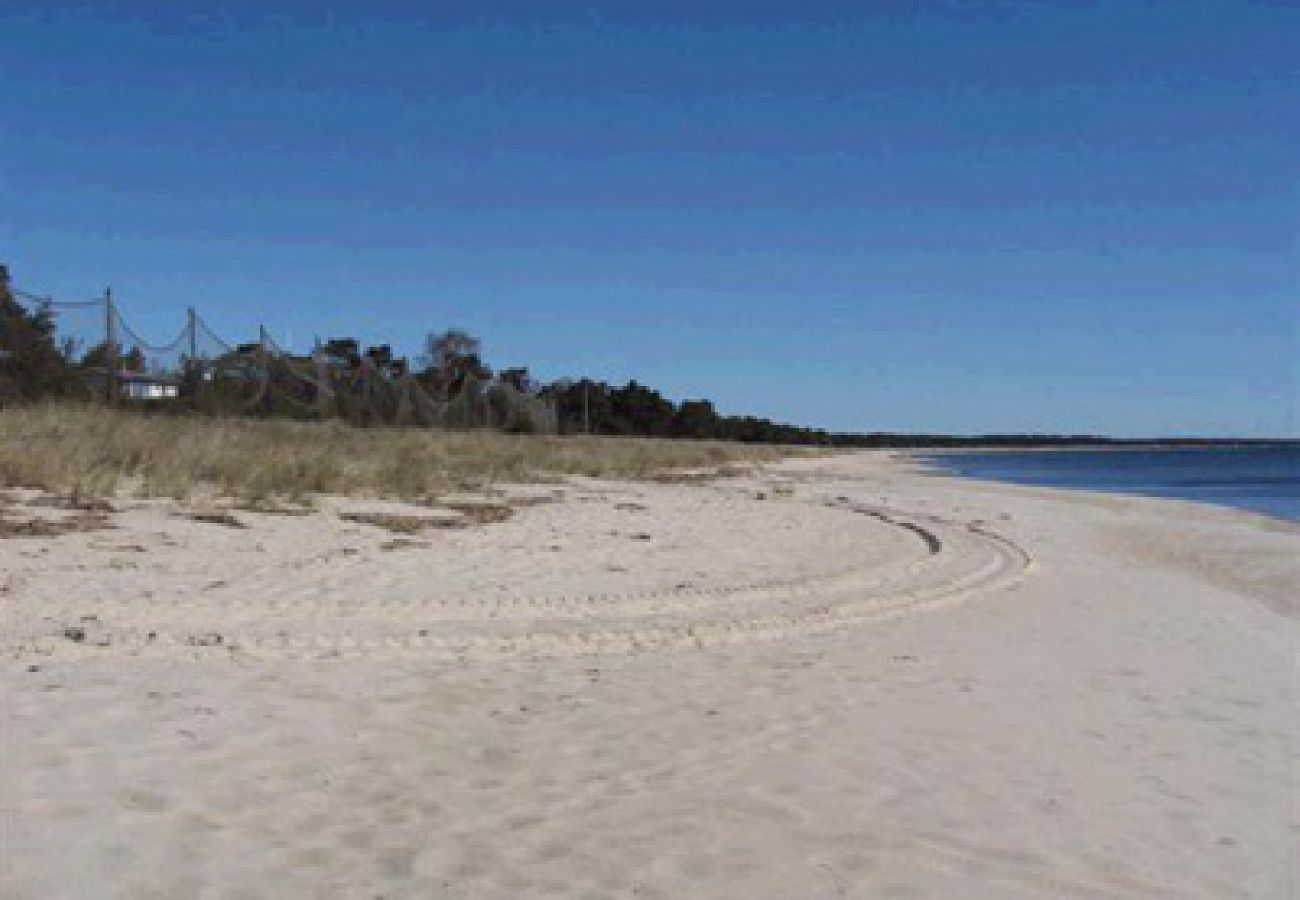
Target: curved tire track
959, 560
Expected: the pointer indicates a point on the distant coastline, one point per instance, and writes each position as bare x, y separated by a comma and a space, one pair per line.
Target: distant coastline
887, 440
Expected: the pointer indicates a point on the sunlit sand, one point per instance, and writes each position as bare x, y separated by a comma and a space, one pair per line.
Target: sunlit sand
839, 677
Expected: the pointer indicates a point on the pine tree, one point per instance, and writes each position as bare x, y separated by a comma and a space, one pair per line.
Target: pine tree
31, 366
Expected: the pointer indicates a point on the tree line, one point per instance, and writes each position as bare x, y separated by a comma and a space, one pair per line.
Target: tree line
637, 410
34, 367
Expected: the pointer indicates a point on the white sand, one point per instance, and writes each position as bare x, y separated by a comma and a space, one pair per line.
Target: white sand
660, 691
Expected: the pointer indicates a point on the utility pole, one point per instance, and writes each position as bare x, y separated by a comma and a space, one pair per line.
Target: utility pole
324, 393
264, 361
264, 351
194, 370
110, 346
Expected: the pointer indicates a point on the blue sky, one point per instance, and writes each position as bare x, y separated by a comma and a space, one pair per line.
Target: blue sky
965, 217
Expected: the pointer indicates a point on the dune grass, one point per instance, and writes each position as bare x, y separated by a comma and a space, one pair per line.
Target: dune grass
86, 450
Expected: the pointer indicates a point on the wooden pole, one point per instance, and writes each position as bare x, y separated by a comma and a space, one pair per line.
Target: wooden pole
265, 361
324, 391
110, 346
194, 370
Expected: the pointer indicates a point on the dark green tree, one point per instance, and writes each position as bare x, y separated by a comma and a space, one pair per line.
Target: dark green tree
695, 419
31, 366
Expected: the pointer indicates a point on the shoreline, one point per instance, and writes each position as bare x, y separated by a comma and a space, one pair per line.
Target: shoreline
838, 676
925, 467
1103, 447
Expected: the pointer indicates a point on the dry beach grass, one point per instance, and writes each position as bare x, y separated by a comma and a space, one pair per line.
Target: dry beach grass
93, 451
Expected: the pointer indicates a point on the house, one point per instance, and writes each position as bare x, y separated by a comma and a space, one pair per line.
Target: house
139, 386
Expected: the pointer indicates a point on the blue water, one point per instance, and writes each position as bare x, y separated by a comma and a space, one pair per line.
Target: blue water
1261, 479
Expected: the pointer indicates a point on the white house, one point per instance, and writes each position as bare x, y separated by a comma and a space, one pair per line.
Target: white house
134, 386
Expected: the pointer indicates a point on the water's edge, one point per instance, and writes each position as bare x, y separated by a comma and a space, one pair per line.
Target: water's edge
1259, 480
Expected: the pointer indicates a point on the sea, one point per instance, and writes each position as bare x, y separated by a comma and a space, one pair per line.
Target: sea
1262, 479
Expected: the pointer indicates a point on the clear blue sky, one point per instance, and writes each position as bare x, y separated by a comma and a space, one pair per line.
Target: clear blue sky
962, 216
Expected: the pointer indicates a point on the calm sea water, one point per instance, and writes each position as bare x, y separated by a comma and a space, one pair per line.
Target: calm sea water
1262, 479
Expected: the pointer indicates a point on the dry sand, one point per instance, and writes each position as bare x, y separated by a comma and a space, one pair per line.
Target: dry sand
836, 678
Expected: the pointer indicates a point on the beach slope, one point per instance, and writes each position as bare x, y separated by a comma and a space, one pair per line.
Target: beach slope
834, 677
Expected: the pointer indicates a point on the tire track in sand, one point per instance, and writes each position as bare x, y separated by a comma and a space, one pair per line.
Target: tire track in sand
954, 560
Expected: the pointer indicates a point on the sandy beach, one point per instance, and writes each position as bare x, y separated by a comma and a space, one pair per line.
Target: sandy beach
826, 678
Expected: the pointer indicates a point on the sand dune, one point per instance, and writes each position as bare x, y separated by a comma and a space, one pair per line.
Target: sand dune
836, 678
